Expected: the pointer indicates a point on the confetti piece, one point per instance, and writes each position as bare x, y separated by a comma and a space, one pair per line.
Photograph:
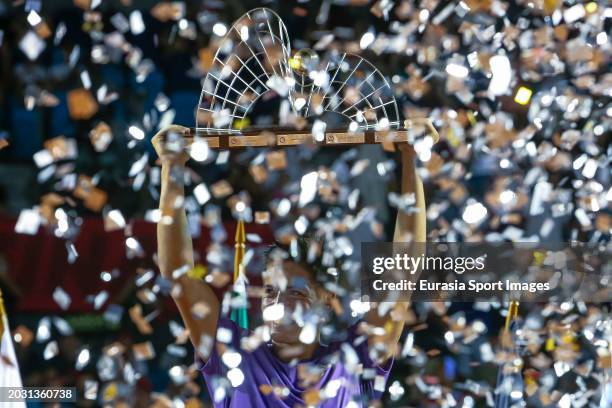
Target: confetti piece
90, 389
201, 194
81, 104
146, 296
93, 197
168, 11
200, 310
217, 279
28, 222
259, 173
101, 136
221, 189
23, 336
262, 217
114, 221
114, 349
143, 351
51, 350
61, 298
31, 45
523, 95
276, 160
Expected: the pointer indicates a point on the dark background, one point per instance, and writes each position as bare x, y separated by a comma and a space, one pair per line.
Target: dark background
31, 267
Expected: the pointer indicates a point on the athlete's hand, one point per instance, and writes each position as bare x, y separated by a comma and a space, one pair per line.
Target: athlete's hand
171, 144
407, 150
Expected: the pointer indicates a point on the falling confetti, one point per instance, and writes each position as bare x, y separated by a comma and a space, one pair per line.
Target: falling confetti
519, 93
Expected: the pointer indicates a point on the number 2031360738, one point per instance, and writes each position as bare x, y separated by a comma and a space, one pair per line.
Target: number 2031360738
42, 394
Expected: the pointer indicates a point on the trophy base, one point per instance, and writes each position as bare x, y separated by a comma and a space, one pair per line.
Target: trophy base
279, 136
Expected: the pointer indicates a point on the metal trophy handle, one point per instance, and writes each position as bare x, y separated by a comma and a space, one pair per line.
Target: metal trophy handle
254, 57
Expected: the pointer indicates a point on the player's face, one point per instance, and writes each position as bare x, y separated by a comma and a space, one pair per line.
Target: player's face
289, 293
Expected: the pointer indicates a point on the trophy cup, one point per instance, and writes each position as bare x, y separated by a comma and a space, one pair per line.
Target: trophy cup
254, 57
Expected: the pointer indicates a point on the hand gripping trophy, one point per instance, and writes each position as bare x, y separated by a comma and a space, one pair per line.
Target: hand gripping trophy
291, 366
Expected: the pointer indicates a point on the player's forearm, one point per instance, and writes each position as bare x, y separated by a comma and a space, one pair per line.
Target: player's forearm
175, 250
411, 226
174, 246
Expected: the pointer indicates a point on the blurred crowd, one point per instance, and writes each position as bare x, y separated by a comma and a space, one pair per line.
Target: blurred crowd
520, 92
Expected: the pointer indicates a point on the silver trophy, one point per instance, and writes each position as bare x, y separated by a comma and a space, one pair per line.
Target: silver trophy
254, 57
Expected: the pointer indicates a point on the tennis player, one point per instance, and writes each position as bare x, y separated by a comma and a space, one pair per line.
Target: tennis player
289, 370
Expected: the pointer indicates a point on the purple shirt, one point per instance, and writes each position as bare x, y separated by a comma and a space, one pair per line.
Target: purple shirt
263, 370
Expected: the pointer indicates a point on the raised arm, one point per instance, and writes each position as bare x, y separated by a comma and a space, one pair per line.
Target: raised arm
409, 228
174, 246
